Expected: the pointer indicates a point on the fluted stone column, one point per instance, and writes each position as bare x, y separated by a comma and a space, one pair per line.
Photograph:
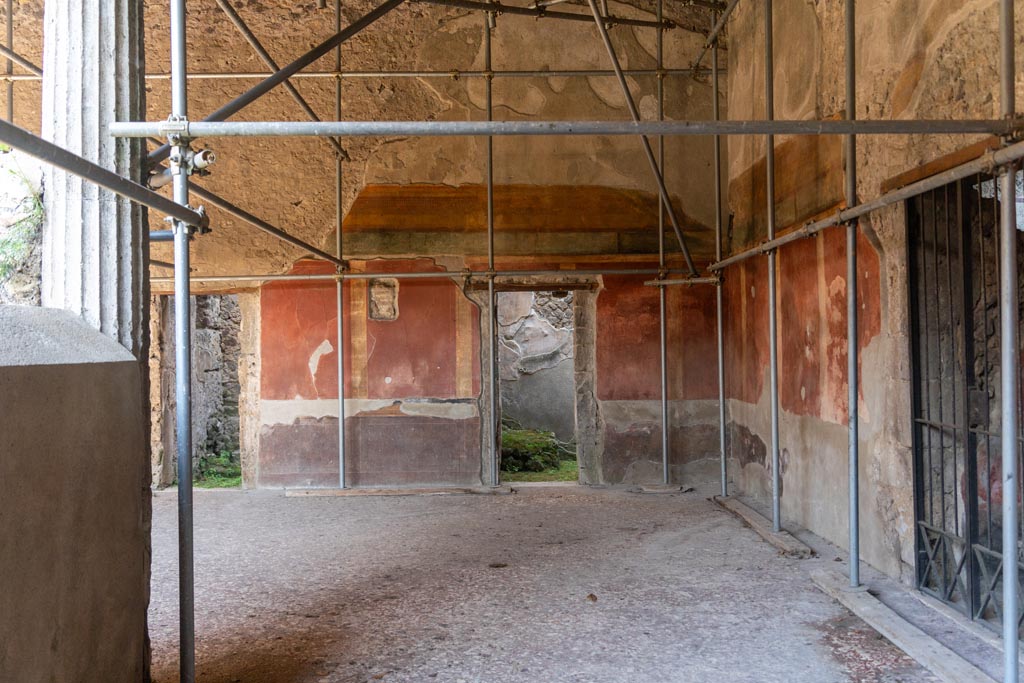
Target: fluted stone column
93, 240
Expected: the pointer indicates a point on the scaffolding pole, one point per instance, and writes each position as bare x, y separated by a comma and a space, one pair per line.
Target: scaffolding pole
1009, 355
183, 361
47, 152
853, 378
716, 30
492, 331
635, 115
716, 110
541, 13
202, 129
339, 248
262, 53
449, 74
662, 291
246, 217
279, 77
10, 55
773, 314
445, 275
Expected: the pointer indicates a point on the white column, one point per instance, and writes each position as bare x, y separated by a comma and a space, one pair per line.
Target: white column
93, 241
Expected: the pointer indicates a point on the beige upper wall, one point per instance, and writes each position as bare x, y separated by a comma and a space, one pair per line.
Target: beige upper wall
290, 182
916, 59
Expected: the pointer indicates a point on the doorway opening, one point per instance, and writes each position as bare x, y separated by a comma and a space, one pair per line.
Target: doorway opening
953, 245
537, 385
216, 390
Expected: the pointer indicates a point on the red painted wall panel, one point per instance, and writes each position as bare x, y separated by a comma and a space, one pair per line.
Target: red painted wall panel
800, 327
812, 324
416, 352
693, 345
746, 329
414, 356
628, 364
628, 349
296, 318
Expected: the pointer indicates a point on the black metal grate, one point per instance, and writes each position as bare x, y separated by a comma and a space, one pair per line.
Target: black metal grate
952, 241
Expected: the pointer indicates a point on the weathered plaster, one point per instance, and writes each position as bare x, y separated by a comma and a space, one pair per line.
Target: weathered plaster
915, 60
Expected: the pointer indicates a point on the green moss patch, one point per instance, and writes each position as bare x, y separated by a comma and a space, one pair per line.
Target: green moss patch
533, 455
221, 471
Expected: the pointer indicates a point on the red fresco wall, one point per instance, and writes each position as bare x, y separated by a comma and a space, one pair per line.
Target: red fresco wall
416, 356
812, 324
416, 351
296, 317
628, 349
745, 322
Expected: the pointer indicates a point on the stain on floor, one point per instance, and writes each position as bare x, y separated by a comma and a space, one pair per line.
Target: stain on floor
566, 585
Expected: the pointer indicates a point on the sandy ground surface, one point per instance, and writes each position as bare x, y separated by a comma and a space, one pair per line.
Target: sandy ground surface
551, 584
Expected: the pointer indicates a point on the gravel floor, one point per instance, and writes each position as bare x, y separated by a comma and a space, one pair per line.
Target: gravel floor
551, 584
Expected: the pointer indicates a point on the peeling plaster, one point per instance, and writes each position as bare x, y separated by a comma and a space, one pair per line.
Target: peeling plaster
277, 412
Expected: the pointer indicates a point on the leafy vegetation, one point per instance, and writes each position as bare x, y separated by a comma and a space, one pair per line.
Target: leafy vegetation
533, 455
222, 471
566, 470
16, 241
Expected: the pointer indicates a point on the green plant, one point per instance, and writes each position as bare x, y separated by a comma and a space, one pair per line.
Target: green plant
567, 470
218, 471
530, 450
16, 241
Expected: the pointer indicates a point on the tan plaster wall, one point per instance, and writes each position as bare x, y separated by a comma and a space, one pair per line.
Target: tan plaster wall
290, 182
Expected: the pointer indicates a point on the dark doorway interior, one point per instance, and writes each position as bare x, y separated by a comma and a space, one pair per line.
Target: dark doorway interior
953, 246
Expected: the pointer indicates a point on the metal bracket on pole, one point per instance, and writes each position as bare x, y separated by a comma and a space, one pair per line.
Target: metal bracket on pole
175, 129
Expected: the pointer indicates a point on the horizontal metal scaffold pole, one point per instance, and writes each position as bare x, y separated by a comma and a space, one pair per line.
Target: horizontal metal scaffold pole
24, 141
984, 164
685, 282
473, 274
451, 74
202, 129
541, 13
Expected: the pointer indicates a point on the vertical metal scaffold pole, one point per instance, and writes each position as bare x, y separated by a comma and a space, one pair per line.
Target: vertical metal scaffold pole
340, 286
183, 358
716, 110
662, 294
10, 63
851, 295
773, 325
492, 360
1009, 355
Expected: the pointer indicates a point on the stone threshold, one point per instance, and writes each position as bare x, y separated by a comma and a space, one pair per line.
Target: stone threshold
786, 543
928, 652
436, 491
